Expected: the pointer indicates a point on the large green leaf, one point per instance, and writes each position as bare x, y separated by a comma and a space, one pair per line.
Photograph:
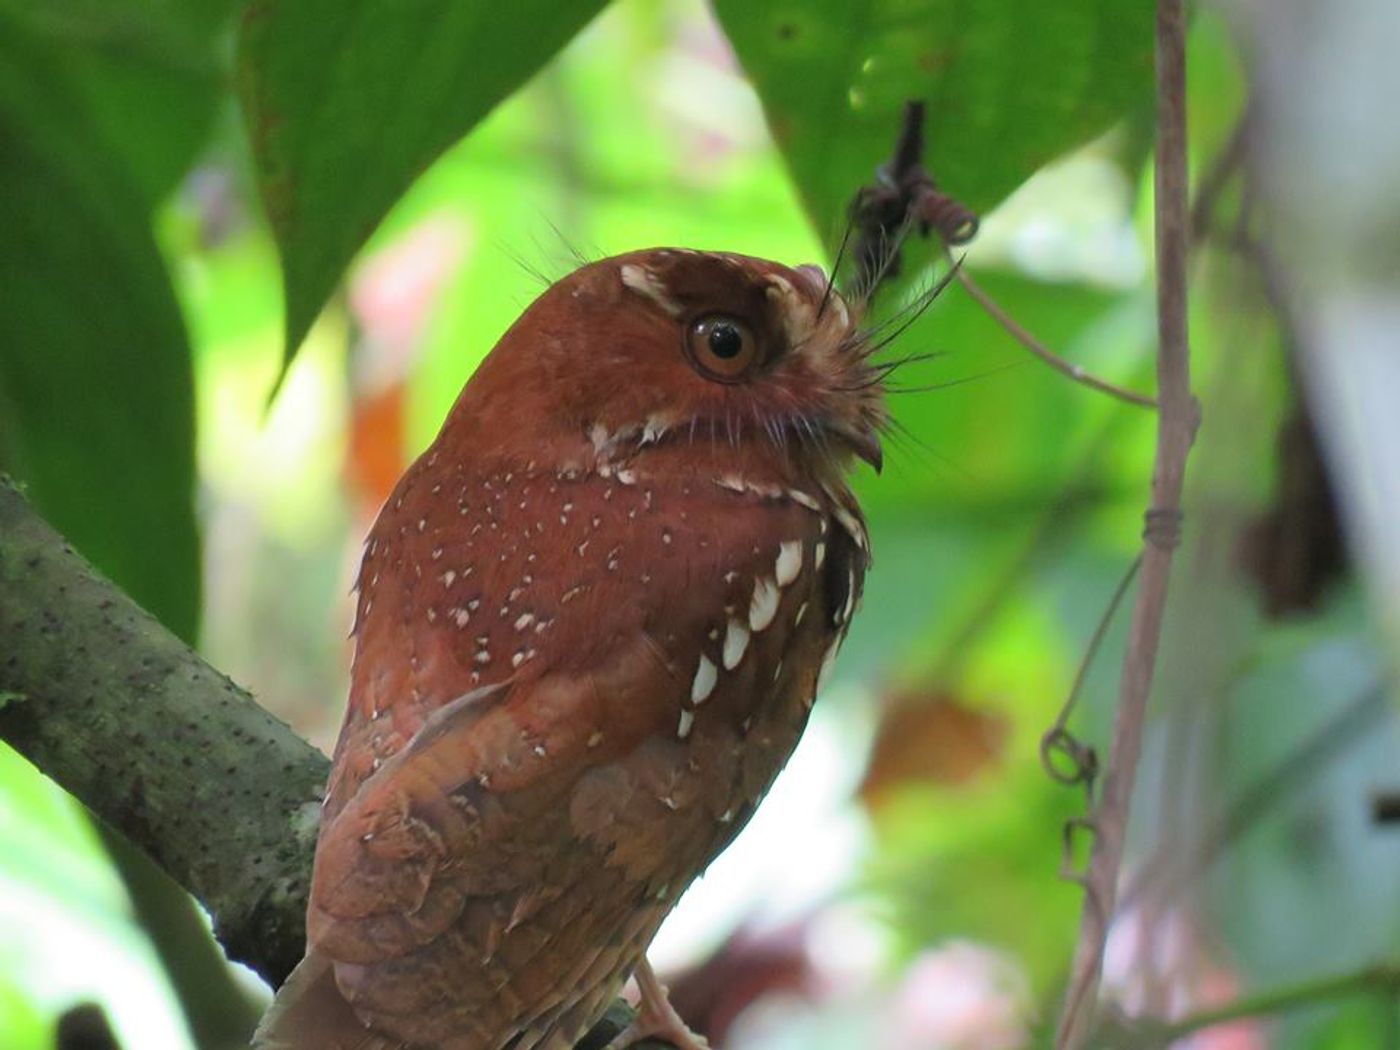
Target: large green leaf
1009, 84
148, 73
347, 101
95, 382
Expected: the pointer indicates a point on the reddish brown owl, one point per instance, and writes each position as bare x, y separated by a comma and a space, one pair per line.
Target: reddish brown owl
592, 621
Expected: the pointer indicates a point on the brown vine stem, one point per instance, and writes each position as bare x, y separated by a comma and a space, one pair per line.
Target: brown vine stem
1176, 426
1043, 352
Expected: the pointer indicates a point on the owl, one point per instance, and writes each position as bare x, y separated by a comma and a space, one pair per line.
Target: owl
592, 620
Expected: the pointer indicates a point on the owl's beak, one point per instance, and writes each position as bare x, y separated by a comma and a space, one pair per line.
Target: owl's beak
864, 440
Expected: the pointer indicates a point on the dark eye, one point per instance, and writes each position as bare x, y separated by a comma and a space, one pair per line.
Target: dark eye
722, 345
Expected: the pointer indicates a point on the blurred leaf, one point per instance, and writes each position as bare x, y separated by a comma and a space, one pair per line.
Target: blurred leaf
1009, 85
147, 71
95, 386
934, 739
347, 103
979, 861
24, 1027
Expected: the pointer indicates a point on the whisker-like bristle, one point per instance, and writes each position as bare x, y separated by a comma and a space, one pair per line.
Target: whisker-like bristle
949, 383
836, 266
923, 302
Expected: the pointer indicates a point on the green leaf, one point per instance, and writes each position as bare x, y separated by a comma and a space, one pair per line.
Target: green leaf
95, 381
149, 74
1009, 85
347, 101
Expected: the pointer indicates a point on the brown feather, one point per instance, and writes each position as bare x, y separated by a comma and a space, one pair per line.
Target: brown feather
587, 639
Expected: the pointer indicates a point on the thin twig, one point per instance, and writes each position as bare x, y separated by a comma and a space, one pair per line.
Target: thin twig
1040, 350
1217, 176
1169, 874
1382, 979
1176, 426
1058, 739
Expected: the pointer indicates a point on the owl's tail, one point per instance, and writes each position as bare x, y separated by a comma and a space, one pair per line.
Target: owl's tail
309, 1013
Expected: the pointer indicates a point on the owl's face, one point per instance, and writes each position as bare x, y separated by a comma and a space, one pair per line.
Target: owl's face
709, 349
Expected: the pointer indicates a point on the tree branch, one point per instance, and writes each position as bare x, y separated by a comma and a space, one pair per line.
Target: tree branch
164, 749
159, 745
1176, 427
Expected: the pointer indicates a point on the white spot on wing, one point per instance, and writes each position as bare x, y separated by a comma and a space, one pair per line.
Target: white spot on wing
851, 525
687, 720
706, 675
789, 562
736, 640
819, 554
764, 605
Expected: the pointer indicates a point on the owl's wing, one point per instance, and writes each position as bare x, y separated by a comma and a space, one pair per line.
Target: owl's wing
502, 868
476, 805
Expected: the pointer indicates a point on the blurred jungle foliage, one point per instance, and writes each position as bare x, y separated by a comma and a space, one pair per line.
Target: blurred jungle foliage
345, 202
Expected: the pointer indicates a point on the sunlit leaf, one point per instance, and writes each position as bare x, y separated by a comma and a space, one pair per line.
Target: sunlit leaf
95, 385
347, 102
1009, 85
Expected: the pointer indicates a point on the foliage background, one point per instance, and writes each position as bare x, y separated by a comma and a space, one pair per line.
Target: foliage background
902, 879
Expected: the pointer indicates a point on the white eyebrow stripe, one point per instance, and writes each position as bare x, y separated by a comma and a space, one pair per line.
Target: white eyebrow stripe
645, 283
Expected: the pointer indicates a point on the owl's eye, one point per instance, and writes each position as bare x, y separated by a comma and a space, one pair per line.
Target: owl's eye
722, 346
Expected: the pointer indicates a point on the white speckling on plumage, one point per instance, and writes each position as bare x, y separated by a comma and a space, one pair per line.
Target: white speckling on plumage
764, 605
706, 675
736, 641
789, 562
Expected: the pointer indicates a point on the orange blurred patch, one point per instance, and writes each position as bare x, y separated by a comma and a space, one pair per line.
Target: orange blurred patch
377, 454
931, 738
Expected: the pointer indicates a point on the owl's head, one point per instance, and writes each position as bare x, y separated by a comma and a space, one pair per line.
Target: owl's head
739, 355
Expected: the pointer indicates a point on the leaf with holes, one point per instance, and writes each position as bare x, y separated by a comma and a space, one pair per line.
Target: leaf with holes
1009, 85
347, 101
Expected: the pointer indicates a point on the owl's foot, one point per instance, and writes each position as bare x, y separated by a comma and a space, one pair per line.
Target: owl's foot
656, 1017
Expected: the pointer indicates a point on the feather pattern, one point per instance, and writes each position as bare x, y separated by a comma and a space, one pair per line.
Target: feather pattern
586, 643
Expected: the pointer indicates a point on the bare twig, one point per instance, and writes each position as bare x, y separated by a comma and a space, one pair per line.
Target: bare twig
1176, 427
1218, 175
1043, 352
1169, 873
1381, 980
903, 196
1057, 739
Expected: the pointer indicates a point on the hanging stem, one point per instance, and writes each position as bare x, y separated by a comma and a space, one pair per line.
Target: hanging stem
1176, 427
